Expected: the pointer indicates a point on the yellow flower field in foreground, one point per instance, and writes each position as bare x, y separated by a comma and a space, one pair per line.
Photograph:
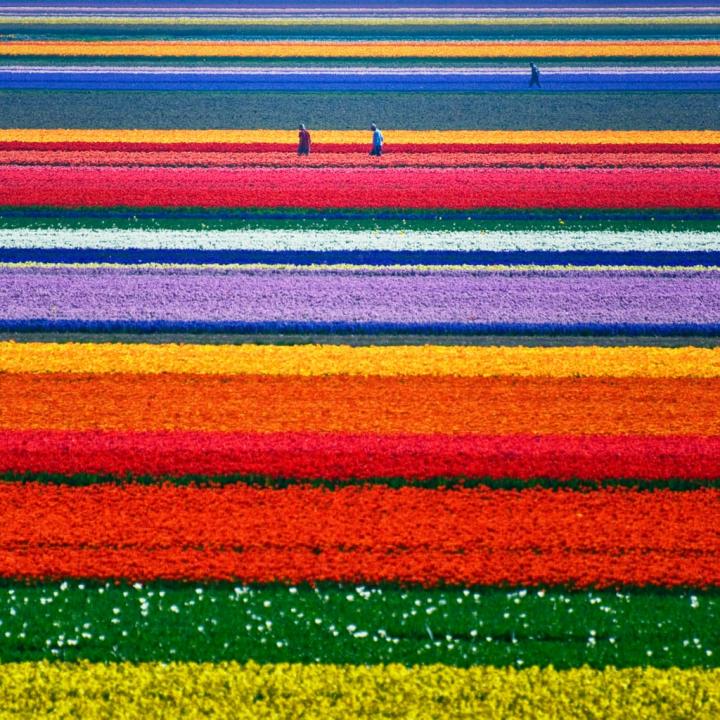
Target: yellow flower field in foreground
342, 692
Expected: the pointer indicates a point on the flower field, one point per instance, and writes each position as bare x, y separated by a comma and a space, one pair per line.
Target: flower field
432, 434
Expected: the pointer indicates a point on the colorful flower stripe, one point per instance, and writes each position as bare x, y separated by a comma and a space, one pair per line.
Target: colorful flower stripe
324, 360
394, 137
353, 80
375, 268
267, 692
314, 29
281, 239
171, 259
363, 16
456, 188
323, 158
208, 49
606, 538
241, 300
401, 405
270, 458
286, 246
435, 529
139, 149
293, 328
200, 622
306, 30
406, 10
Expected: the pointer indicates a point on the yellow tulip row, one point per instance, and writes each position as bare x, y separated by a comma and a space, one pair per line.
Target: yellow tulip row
298, 49
397, 136
317, 360
189, 690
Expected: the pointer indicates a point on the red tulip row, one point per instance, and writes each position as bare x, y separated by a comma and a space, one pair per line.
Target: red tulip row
361, 456
452, 188
390, 149
287, 158
409, 535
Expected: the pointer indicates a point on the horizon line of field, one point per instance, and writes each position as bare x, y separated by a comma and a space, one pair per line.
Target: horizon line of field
397, 16
274, 8
271, 9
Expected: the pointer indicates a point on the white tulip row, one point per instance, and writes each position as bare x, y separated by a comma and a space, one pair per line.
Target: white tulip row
357, 240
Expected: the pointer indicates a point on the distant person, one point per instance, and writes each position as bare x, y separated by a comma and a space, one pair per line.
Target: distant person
377, 140
534, 75
304, 140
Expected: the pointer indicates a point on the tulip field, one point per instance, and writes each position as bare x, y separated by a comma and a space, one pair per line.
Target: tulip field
434, 434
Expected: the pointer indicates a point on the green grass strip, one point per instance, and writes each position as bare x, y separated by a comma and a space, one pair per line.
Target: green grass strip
354, 624
161, 109
229, 219
269, 481
79, 31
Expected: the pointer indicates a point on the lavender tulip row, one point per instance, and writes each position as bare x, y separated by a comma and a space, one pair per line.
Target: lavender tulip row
212, 297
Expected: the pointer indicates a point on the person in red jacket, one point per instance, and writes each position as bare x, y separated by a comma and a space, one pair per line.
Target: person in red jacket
304, 141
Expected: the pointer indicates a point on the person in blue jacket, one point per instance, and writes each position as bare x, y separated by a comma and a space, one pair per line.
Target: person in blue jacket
377, 140
303, 140
534, 75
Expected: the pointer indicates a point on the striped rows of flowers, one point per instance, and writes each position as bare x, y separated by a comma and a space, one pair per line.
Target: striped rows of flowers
150, 564
432, 434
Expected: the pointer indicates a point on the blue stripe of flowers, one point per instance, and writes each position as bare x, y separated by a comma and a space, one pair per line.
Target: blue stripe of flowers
131, 256
364, 328
418, 82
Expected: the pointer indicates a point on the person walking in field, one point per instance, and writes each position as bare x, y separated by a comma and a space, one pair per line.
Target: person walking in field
304, 140
377, 141
534, 75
